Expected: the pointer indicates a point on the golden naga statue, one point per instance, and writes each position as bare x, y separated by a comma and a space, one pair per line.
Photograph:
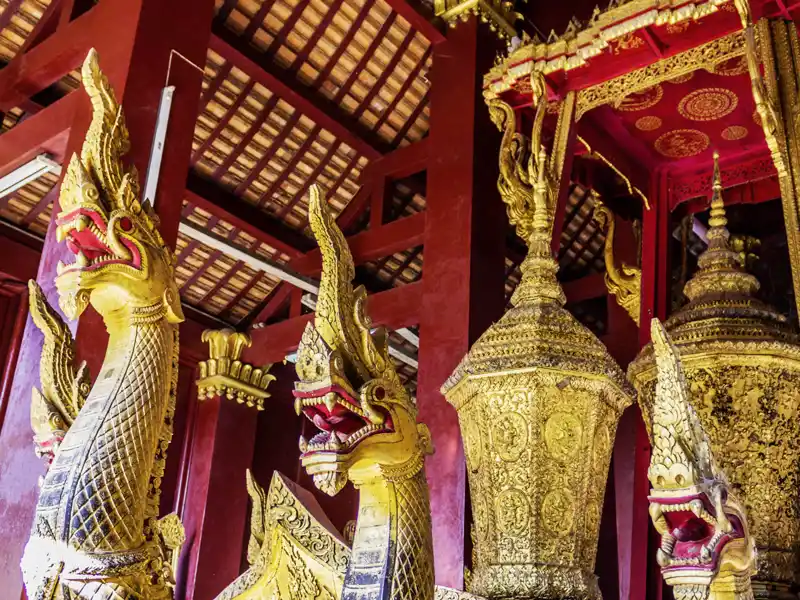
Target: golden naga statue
706, 549
349, 389
95, 533
742, 365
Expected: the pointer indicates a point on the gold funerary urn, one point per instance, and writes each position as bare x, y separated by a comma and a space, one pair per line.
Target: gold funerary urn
538, 400
742, 363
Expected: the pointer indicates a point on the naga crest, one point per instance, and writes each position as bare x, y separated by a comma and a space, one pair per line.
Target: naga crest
121, 259
348, 386
705, 543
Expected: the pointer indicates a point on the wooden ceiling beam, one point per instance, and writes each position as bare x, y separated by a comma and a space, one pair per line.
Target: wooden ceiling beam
322, 111
246, 217
395, 309
44, 132
419, 18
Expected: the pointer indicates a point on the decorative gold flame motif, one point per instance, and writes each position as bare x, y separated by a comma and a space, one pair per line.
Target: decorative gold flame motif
625, 282
691, 503
95, 533
742, 366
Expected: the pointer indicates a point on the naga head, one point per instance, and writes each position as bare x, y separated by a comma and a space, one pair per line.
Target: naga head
121, 261
348, 387
705, 542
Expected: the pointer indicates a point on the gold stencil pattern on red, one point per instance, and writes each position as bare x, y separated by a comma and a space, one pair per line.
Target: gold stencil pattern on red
681, 143
649, 123
734, 132
731, 67
708, 104
642, 100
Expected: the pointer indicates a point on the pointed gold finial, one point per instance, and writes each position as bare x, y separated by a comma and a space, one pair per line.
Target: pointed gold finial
720, 270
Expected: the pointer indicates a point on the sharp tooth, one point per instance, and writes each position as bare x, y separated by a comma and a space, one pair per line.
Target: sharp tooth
303, 444
82, 260
298, 406
705, 554
60, 267
330, 401
334, 443
61, 233
662, 559
696, 507
655, 511
81, 223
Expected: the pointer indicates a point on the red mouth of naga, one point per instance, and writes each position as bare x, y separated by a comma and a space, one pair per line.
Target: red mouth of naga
342, 424
698, 544
86, 237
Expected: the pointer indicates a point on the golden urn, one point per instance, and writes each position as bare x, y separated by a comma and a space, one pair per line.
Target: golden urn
538, 400
742, 362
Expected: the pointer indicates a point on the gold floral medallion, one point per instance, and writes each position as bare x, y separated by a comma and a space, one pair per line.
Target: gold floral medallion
731, 67
562, 434
648, 123
512, 512
510, 435
557, 512
642, 100
680, 143
734, 132
708, 104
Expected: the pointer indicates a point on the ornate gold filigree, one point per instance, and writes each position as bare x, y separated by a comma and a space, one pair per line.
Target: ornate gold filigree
706, 57
498, 14
706, 549
538, 399
94, 533
224, 375
579, 44
625, 282
742, 364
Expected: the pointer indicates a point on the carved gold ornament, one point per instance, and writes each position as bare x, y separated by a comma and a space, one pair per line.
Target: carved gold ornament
708, 104
706, 57
649, 123
625, 282
95, 532
224, 375
641, 100
706, 548
533, 395
734, 132
742, 365
579, 44
681, 143
498, 14
731, 67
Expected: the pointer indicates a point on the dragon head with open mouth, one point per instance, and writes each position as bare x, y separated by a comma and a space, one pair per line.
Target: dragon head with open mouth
121, 259
706, 549
348, 387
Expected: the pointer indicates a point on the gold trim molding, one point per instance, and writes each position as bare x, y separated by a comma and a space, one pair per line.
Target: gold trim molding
225, 375
575, 47
498, 14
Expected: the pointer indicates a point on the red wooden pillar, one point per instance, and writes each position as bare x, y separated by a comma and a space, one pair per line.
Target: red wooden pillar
215, 506
134, 40
464, 259
632, 446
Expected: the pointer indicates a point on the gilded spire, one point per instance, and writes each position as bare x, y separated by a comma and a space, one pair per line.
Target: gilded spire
720, 269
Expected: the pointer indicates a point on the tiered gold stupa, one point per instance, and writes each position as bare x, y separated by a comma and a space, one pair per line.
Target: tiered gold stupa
538, 399
742, 362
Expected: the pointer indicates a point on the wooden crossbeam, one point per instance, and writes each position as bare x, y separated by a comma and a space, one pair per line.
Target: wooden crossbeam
395, 309
247, 217
329, 115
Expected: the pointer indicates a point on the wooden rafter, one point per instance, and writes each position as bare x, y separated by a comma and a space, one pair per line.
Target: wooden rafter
322, 111
419, 18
